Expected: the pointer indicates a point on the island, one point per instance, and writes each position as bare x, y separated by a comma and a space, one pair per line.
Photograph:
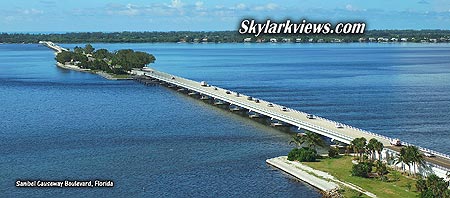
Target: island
111, 65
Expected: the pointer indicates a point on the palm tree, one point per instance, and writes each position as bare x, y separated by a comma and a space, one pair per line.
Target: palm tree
296, 139
378, 147
415, 156
310, 139
371, 147
402, 158
359, 145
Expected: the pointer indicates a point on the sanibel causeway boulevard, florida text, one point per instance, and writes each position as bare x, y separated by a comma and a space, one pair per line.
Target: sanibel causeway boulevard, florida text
66, 183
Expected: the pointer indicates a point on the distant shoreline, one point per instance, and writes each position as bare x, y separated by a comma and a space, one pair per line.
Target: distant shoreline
373, 36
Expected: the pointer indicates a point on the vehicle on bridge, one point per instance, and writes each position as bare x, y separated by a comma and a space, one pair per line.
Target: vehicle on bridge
429, 154
396, 142
284, 109
270, 105
203, 83
310, 116
339, 126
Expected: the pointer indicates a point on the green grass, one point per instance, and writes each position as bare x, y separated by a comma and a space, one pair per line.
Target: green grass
340, 168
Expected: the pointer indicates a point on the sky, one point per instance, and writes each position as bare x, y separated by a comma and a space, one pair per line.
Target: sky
213, 15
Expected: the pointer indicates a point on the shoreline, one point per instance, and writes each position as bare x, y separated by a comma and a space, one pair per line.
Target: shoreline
293, 168
100, 73
321, 180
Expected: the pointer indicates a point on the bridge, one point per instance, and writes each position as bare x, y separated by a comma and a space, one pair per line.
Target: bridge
51, 45
280, 115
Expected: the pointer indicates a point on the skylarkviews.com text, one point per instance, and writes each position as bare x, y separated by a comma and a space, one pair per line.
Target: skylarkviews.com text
250, 26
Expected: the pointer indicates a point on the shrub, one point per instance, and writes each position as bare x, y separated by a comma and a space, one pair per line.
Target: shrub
433, 186
333, 152
303, 154
362, 169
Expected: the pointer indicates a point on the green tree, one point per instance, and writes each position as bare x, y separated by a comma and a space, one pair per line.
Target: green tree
433, 186
88, 49
63, 57
297, 140
380, 169
304, 154
102, 54
362, 169
378, 147
403, 158
370, 148
415, 157
333, 152
310, 139
359, 146
128, 59
78, 50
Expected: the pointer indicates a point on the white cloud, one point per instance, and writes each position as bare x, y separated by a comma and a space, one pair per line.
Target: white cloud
32, 11
267, 7
349, 7
271, 6
193, 9
176, 4
199, 5
241, 6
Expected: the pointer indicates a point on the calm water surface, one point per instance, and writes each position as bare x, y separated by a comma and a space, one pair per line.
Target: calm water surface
57, 124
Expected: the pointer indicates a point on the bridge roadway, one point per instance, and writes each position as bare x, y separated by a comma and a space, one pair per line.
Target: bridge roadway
51, 45
293, 117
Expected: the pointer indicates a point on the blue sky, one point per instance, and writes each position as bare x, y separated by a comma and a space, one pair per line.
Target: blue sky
195, 15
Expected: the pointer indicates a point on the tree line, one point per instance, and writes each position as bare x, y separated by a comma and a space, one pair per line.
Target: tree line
213, 36
117, 62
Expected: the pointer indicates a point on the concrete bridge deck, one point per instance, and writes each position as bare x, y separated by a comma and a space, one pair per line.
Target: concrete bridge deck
322, 126
51, 45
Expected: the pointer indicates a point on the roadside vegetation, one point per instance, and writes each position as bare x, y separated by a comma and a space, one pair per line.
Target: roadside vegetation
366, 168
118, 62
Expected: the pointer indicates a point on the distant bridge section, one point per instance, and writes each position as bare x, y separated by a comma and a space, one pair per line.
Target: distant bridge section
51, 45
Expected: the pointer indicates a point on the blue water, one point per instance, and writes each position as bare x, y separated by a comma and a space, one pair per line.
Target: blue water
153, 142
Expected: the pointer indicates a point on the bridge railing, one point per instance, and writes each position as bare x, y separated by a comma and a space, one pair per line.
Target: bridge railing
291, 120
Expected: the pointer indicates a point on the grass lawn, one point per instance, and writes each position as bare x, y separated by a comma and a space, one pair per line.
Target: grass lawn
340, 168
